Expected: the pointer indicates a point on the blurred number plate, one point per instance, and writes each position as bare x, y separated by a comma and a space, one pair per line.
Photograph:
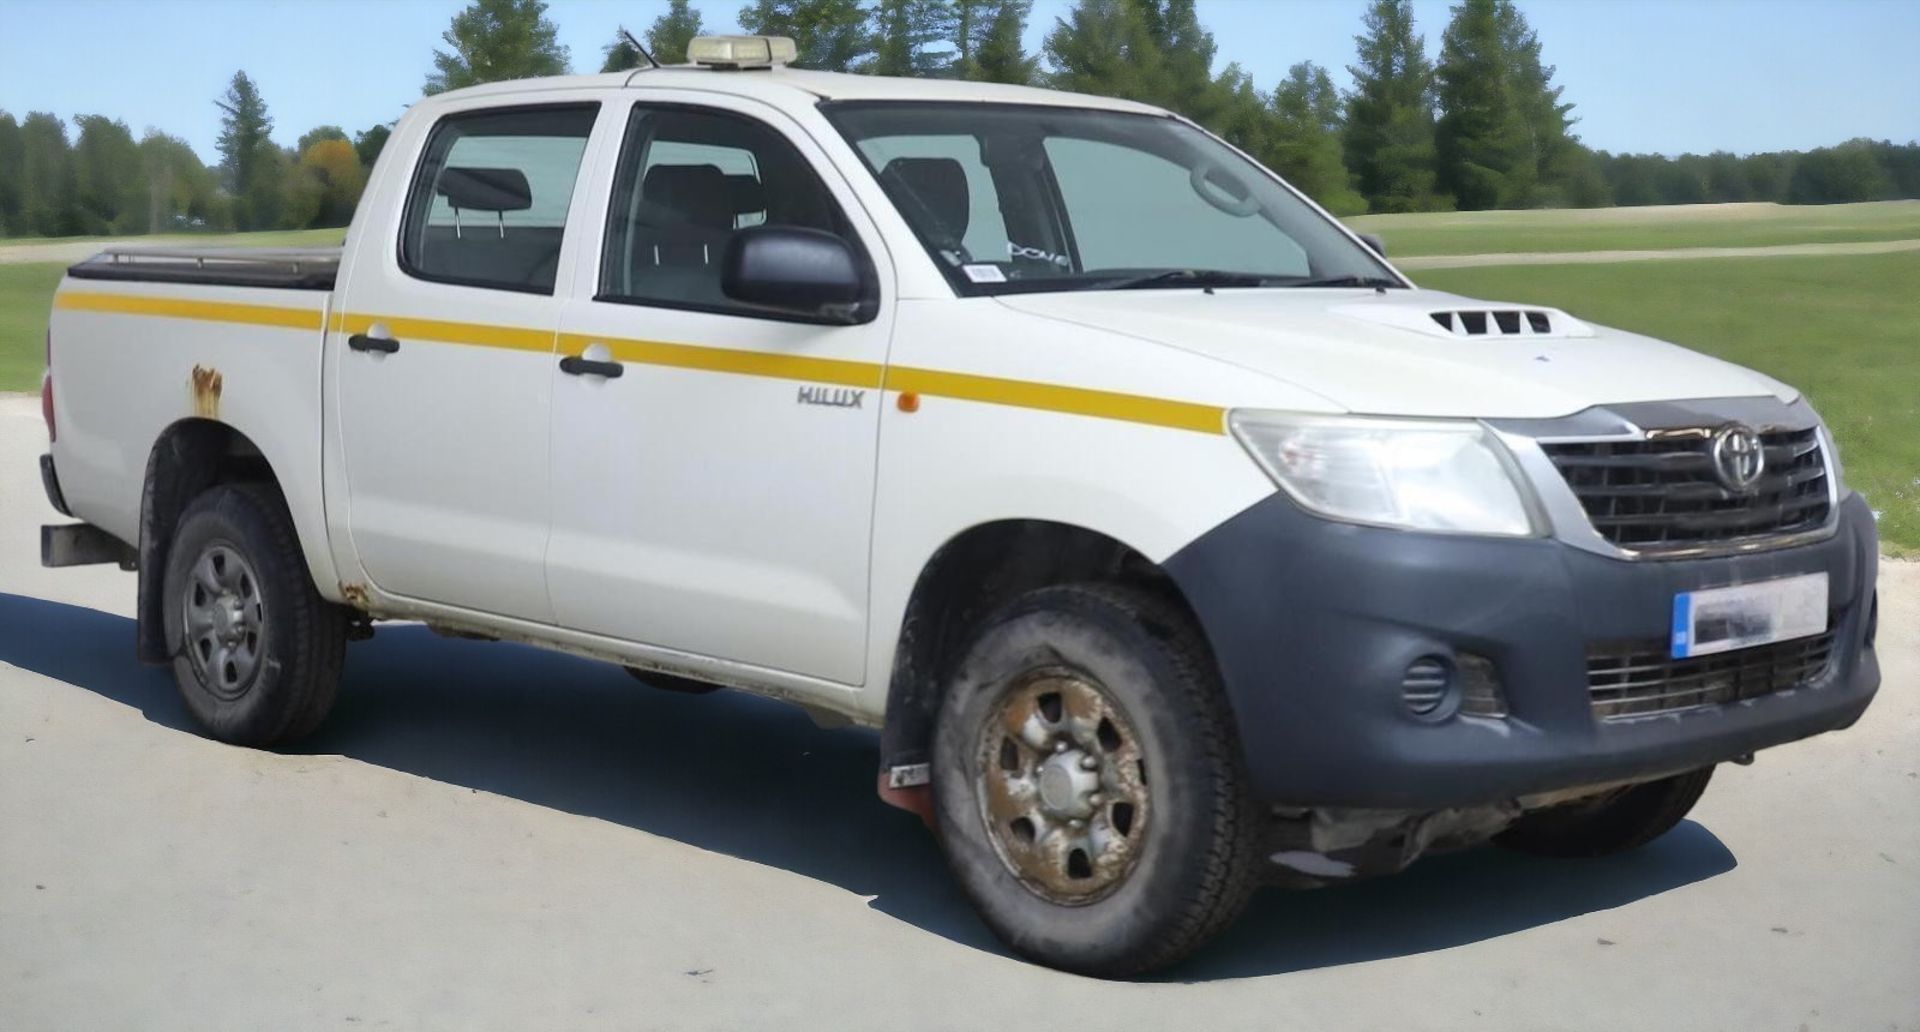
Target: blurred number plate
1744, 615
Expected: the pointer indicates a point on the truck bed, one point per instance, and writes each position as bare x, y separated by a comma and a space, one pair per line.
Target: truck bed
293, 268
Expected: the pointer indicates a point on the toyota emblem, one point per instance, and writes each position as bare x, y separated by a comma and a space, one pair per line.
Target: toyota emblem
1738, 457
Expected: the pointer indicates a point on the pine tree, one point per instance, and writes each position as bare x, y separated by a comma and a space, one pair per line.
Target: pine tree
1389, 127
369, 143
1153, 51
1305, 147
621, 56
992, 48
46, 176
669, 35
906, 38
12, 172
109, 185
247, 155
1479, 140
494, 40
831, 35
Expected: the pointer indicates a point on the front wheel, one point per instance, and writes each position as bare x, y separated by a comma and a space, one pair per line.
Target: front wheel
257, 651
1087, 782
1626, 818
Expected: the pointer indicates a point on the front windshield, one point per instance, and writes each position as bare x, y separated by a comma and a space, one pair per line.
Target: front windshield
1020, 198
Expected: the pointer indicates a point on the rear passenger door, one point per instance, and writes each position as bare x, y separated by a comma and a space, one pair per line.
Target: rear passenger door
715, 497
443, 358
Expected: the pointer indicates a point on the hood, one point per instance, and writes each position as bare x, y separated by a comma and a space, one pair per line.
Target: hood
1412, 352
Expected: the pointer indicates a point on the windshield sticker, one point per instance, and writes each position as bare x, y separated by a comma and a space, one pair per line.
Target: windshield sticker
1037, 254
984, 273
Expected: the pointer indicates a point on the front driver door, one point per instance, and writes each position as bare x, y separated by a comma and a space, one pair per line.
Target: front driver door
715, 498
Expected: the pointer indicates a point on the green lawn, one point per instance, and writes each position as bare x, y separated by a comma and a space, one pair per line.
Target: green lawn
1846, 330
25, 293
275, 238
1609, 229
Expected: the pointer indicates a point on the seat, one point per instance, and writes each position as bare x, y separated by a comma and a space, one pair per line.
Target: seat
932, 192
681, 227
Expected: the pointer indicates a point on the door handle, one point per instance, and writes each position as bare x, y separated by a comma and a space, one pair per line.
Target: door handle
383, 345
580, 365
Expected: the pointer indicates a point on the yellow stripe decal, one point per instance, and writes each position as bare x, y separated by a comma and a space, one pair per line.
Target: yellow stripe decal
1079, 401
728, 360
182, 308
480, 334
992, 390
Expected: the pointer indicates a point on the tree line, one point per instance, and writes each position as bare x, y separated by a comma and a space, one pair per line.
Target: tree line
1483, 126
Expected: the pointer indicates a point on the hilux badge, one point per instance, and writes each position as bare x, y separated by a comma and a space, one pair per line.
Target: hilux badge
832, 397
1738, 456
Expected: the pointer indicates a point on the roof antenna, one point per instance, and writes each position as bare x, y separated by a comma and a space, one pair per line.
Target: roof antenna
637, 48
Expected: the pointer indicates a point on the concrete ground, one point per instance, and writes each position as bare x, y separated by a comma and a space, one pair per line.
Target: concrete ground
488, 837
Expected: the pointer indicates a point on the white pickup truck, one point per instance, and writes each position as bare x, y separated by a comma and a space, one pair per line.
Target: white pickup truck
1173, 539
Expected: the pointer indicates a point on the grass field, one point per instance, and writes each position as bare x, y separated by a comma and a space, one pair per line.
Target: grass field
1634, 229
1845, 329
25, 293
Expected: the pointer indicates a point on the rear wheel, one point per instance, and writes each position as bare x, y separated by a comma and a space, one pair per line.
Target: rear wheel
257, 651
1623, 819
1087, 782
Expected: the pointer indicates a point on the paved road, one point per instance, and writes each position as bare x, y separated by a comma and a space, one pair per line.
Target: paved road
486, 837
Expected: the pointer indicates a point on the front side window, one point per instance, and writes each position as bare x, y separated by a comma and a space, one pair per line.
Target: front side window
688, 180
1019, 198
489, 203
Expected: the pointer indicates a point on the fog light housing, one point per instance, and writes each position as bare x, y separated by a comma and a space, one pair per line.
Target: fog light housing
1480, 691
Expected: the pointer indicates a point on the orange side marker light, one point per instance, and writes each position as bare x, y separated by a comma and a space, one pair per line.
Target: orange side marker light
909, 401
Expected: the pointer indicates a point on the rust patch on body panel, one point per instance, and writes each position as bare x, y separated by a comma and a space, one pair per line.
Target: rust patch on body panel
355, 595
206, 392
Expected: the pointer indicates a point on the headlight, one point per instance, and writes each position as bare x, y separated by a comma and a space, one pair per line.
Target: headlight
1450, 476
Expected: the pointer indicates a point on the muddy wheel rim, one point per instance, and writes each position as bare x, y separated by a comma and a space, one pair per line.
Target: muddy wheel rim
1062, 786
225, 621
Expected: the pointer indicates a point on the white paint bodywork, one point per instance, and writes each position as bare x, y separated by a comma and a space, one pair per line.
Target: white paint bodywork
703, 522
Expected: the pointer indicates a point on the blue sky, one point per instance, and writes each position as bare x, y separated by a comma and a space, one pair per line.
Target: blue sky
1646, 75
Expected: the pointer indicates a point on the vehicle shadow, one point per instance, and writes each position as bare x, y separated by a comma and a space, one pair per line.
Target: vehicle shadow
755, 779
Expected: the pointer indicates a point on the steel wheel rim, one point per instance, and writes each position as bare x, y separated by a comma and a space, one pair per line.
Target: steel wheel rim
225, 621
1062, 786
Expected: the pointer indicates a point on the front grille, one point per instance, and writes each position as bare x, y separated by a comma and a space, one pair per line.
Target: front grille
1638, 678
1660, 493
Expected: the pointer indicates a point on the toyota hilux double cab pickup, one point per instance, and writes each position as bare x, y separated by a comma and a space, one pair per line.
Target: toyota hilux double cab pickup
1172, 539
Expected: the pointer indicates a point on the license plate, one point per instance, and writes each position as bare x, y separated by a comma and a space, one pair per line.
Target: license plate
1744, 615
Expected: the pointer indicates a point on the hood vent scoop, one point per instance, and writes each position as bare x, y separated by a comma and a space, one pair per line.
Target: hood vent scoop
1496, 322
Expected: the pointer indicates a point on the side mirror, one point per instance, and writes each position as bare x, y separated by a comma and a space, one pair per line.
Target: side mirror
1379, 246
807, 273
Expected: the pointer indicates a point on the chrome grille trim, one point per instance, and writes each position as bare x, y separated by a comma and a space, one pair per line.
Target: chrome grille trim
1633, 679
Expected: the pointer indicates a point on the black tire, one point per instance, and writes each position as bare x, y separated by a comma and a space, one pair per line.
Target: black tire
1196, 862
1625, 819
301, 639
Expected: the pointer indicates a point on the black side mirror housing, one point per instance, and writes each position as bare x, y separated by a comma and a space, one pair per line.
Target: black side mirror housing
807, 274
1379, 246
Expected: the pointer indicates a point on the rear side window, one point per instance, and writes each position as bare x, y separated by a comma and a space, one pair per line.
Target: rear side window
688, 180
489, 203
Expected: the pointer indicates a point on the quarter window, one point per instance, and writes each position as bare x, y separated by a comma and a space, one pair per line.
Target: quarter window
489, 203
688, 180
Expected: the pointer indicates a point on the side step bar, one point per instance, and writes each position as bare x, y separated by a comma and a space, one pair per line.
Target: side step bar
83, 544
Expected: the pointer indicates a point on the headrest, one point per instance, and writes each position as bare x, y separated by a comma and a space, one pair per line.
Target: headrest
485, 189
940, 185
747, 193
695, 194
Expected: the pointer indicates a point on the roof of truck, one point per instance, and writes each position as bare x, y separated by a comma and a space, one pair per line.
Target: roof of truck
794, 85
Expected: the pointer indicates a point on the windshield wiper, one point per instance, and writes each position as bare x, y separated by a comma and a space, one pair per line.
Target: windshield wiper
1347, 281
1187, 278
